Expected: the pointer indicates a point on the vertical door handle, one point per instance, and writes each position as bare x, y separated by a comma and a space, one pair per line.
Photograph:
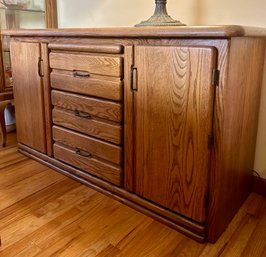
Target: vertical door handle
134, 78
40, 67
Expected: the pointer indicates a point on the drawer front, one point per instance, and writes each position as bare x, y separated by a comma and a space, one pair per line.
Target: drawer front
93, 85
91, 48
95, 107
93, 64
95, 147
88, 125
88, 164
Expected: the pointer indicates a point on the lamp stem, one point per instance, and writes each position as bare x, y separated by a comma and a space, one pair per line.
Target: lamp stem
160, 7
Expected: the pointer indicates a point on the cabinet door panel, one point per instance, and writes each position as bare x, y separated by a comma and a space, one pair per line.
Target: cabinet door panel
28, 93
173, 109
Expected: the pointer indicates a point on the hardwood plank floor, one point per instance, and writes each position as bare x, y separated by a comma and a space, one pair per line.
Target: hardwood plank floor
43, 213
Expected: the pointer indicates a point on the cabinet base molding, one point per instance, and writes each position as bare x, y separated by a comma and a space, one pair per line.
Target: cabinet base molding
184, 225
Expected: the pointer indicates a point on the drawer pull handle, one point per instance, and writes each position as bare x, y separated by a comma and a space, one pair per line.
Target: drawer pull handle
83, 153
40, 67
134, 78
81, 115
82, 74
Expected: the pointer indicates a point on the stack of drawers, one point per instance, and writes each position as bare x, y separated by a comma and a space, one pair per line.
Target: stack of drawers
87, 99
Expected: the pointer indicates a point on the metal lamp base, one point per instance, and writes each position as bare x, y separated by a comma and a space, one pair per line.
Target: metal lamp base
160, 17
160, 21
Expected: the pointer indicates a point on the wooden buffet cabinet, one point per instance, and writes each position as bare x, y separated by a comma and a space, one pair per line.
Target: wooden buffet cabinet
161, 119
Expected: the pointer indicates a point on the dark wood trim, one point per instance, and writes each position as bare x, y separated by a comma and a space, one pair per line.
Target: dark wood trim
186, 226
2, 72
3, 105
6, 96
148, 32
51, 14
259, 185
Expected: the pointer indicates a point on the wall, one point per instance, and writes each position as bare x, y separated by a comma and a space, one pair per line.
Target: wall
249, 13
110, 13
242, 12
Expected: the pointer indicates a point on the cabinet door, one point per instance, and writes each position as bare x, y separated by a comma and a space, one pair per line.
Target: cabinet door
28, 93
173, 111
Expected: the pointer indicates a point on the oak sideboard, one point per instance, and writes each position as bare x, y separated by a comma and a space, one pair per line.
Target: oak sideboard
161, 119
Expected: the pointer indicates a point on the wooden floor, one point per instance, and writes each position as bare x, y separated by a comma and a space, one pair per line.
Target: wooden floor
43, 213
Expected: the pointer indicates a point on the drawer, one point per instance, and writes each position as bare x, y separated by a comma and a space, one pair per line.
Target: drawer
95, 147
88, 163
103, 87
93, 64
89, 125
91, 48
95, 107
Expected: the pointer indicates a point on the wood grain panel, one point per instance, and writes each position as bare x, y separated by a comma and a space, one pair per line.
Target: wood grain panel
91, 145
47, 99
95, 107
99, 48
28, 93
90, 126
127, 41
235, 131
128, 122
94, 85
91, 165
198, 32
173, 118
101, 65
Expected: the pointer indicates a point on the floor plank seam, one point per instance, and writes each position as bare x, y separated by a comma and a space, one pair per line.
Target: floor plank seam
9, 165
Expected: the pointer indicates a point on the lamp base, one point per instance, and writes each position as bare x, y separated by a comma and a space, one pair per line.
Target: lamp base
160, 17
160, 20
